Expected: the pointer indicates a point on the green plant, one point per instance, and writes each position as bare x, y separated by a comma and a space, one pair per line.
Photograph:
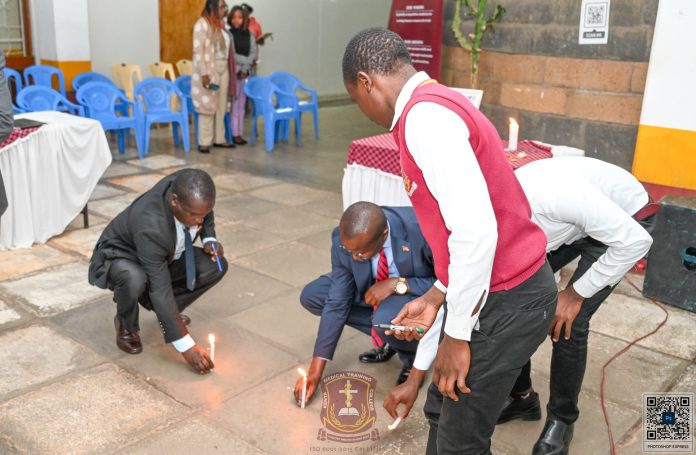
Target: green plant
472, 42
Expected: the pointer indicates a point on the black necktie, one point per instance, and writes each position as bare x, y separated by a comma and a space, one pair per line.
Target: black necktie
190, 261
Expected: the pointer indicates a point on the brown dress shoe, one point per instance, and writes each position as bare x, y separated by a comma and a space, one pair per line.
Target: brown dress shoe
126, 341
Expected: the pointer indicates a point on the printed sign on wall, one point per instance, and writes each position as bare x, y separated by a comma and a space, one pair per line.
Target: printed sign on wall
419, 23
594, 22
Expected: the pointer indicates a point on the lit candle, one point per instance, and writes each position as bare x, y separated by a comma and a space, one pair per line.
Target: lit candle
211, 340
512, 135
396, 423
304, 386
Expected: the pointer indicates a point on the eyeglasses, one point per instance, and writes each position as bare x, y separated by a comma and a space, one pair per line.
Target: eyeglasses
370, 251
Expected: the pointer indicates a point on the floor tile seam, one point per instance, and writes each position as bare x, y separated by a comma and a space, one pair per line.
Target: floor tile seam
282, 241
258, 384
640, 345
265, 339
620, 404
152, 433
60, 379
246, 268
51, 268
53, 243
205, 417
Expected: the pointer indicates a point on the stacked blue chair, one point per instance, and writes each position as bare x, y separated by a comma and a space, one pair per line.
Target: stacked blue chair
14, 82
262, 92
291, 84
39, 98
156, 94
101, 100
89, 76
43, 75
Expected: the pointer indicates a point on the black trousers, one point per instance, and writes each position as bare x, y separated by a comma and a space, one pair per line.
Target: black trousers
569, 357
512, 325
129, 283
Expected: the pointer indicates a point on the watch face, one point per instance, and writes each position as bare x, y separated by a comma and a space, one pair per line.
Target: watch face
401, 288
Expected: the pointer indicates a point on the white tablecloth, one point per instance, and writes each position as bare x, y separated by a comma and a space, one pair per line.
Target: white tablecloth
49, 177
362, 183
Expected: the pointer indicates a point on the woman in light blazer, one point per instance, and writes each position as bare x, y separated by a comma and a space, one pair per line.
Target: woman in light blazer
211, 84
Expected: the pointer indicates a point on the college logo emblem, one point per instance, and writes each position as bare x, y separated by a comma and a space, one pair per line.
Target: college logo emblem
409, 185
348, 407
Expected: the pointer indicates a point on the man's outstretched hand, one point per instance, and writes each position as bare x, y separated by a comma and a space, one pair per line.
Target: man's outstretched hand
208, 248
452, 366
199, 359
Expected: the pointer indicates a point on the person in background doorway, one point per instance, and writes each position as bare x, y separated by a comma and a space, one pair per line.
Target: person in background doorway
245, 53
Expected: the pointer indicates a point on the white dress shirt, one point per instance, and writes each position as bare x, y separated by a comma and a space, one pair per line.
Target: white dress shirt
186, 342
438, 140
573, 198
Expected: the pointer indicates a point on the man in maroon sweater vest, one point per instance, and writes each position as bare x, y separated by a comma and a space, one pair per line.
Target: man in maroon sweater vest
489, 256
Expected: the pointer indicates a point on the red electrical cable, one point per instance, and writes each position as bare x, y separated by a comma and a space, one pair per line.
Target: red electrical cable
623, 350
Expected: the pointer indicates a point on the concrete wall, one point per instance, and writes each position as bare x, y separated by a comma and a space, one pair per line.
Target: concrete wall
533, 68
309, 36
123, 31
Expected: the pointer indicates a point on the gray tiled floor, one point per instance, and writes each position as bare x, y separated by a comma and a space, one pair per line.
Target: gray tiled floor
66, 388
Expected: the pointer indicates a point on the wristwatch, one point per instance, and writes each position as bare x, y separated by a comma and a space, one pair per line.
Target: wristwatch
401, 286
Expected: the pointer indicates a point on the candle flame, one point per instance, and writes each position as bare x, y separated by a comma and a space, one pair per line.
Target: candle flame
302, 372
513, 121
211, 338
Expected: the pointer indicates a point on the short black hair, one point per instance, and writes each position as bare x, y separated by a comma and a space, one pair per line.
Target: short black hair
194, 184
374, 50
363, 217
247, 7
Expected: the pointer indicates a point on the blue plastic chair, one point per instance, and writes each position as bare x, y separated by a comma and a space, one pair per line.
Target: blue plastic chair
291, 84
101, 100
15, 84
262, 92
39, 98
156, 94
89, 76
43, 75
183, 83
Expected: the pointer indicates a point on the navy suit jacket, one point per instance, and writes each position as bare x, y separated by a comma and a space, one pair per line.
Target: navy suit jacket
351, 279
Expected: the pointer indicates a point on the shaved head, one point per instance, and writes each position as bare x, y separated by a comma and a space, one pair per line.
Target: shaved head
362, 218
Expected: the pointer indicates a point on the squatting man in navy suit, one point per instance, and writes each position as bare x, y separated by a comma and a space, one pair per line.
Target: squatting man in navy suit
379, 262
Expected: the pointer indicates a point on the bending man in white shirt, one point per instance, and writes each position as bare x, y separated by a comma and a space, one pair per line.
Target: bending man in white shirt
586, 207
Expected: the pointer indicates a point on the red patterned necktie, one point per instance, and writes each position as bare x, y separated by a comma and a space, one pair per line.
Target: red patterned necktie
382, 274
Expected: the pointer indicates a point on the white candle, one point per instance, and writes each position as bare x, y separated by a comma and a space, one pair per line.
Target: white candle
211, 340
395, 424
512, 135
304, 386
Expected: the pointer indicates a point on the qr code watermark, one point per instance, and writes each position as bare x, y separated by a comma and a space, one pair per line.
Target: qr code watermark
596, 15
668, 422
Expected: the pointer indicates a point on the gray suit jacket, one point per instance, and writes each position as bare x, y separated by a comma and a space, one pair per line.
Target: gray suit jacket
6, 122
145, 233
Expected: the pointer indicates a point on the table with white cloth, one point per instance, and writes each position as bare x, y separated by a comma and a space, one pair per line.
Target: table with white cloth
373, 170
49, 175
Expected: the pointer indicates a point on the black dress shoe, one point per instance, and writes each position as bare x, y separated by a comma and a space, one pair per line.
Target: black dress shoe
377, 355
227, 145
185, 319
204, 149
403, 375
555, 439
239, 141
126, 341
525, 407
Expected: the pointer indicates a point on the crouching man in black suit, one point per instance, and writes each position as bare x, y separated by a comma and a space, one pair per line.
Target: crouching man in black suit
146, 255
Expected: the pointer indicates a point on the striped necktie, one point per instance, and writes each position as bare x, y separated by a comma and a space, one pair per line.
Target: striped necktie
381, 275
